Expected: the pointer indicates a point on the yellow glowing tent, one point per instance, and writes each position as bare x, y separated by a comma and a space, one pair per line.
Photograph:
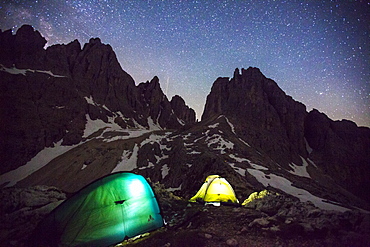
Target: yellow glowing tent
255, 195
215, 189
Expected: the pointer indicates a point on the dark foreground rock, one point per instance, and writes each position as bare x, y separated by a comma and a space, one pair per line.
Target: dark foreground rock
22, 209
275, 220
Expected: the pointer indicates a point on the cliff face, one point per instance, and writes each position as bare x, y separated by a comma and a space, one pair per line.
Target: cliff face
182, 110
162, 111
266, 117
273, 122
48, 95
341, 149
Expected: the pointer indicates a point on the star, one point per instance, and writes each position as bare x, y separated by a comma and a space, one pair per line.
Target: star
305, 46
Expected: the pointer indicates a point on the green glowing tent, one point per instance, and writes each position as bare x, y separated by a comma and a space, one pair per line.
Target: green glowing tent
118, 206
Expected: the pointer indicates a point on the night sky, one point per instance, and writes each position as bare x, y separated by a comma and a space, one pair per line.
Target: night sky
317, 51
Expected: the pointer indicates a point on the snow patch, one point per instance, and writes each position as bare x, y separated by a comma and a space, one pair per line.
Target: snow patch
152, 125
174, 189
213, 125
90, 100
40, 160
222, 144
238, 159
230, 124
165, 170
239, 170
106, 108
150, 165
181, 122
128, 160
186, 136
153, 138
245, 143
233, 130
128, 135
308, 148
313, 163
93, 125
159, 159
286, 186
258, 167
15, 71
59, 107
300, 170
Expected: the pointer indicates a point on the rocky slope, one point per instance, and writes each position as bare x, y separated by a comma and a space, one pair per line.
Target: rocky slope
340, 149
274, 220
22, 209
50, 94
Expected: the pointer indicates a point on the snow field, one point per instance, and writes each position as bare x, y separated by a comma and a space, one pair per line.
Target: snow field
15, 71
129, 159
40, 160
300, 170
286, 186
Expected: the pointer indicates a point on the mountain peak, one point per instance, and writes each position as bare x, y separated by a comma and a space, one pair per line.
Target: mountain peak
266, 111
184, 112
252, 73
26, 34
95, 41
64, 88
268, 119
25, 49
155, 82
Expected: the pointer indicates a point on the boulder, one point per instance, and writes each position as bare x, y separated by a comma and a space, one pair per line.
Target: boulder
22, 209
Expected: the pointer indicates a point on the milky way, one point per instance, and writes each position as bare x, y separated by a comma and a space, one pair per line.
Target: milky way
317, 51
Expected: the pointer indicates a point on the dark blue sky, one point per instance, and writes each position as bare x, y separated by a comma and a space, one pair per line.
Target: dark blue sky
317, 51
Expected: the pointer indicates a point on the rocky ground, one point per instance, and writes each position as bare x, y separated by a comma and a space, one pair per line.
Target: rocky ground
275, 220
22, 209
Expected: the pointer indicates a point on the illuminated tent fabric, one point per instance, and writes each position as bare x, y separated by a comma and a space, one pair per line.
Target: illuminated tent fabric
255, 195
215, 189
115, 207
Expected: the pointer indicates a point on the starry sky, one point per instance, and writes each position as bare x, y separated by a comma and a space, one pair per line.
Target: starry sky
316, 50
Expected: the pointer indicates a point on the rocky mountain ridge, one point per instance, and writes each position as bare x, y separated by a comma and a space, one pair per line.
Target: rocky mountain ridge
67, 97
50, 92
280, 126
